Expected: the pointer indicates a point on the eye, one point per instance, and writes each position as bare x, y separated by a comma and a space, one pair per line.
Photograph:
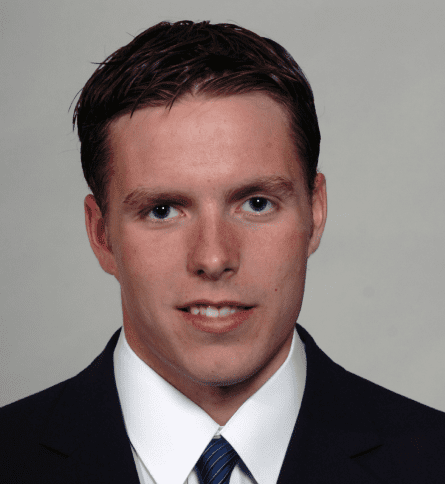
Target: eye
162, 212
258, 205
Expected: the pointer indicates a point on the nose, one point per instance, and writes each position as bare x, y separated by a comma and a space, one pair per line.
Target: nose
213, 249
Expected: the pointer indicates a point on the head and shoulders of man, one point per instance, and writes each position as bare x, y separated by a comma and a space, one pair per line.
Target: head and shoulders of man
211, 199
200, 144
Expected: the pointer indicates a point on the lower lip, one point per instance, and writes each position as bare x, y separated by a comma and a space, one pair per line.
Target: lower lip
217, 325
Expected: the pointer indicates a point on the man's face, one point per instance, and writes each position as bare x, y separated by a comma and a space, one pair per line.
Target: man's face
208, 204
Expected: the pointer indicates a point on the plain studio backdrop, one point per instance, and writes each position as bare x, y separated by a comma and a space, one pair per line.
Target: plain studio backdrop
374, 298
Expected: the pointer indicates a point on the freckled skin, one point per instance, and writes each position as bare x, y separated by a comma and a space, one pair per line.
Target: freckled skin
209, 249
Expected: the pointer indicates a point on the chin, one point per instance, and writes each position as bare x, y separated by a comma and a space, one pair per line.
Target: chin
222, 379
225, 382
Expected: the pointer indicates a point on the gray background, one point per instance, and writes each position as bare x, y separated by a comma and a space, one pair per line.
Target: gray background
374, 296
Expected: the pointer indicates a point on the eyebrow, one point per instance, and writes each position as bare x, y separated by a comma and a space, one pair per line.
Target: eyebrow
276, 185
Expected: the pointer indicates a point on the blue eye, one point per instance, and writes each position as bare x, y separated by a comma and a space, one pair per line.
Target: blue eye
258, 205
162, 212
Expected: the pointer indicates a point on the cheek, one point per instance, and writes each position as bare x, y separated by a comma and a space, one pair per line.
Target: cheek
281, 253
291, 275
142, 260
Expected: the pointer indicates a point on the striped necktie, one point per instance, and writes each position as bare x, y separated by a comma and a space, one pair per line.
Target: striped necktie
217, 462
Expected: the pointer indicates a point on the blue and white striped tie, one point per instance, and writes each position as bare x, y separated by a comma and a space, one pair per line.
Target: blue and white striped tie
217, 462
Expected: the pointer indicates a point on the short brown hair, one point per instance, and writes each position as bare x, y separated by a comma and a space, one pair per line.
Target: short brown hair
170, 60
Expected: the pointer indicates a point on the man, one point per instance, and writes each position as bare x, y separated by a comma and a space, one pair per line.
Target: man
200, 144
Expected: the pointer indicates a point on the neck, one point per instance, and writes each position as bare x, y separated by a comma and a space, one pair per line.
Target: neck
220, 402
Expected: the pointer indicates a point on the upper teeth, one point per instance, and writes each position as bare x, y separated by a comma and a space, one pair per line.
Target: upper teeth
212, 311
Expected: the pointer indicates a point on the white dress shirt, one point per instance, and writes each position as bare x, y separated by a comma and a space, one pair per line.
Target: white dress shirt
169, 432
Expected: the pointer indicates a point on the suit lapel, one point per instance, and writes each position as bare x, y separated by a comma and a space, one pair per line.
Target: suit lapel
86, 430
334, 439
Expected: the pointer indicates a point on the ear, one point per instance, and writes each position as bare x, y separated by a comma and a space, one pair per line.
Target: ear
319, 212
97, 234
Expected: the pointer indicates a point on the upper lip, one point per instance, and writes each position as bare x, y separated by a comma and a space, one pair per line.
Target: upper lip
206, 302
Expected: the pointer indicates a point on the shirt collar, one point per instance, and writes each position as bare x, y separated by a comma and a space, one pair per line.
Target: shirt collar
164, 426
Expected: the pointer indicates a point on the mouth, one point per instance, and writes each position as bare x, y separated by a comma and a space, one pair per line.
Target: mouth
216, 318
214, 311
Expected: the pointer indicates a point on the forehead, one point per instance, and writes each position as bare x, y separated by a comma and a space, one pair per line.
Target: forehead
230, 135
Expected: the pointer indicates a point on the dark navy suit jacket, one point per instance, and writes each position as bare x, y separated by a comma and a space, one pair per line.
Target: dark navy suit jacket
348, 430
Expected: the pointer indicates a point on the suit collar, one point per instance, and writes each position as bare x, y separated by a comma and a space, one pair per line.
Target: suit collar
86, 424
334, 427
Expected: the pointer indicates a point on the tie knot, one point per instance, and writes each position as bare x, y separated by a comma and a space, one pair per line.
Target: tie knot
217, 462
